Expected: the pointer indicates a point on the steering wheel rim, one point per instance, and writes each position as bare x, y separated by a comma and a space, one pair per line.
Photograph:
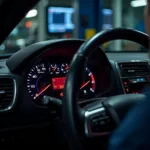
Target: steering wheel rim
70, 107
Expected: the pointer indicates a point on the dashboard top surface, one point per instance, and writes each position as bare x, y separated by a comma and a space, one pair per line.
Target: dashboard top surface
115, 56
112, 56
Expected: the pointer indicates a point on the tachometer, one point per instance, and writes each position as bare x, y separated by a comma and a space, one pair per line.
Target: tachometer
88, 87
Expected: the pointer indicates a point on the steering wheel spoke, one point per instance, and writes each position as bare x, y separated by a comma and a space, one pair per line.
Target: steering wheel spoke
97, 123
102, 116
97, 120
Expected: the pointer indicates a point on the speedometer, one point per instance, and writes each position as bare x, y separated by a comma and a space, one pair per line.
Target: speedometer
38, 82
41, 81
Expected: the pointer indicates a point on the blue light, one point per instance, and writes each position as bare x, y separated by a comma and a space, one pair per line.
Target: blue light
107, 11
142, 79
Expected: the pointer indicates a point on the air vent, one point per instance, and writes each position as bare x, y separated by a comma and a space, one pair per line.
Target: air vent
134, 69
7, 93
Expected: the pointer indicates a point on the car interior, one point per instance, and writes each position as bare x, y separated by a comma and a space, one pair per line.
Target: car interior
67, 93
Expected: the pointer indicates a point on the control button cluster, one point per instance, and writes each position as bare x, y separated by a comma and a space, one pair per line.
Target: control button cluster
135, 85
136, 80
101, 123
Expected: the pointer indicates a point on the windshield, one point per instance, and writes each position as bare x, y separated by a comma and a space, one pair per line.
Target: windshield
56, 19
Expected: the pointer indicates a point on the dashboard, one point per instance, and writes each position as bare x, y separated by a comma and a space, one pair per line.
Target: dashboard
45, 65
41, 70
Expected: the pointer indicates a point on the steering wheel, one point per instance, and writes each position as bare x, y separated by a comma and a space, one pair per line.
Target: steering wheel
101, 117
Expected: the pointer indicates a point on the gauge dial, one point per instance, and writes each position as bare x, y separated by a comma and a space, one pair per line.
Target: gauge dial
54, 69
87, 89
64, 68
38, 82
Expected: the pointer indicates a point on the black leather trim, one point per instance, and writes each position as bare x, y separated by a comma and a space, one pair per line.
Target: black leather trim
95, 105
70, 108
114, 34
123, 103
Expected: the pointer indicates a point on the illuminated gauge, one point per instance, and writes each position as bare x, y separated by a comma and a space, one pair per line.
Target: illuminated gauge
41, 69
87, 89
38, 83
64, 68
54, 69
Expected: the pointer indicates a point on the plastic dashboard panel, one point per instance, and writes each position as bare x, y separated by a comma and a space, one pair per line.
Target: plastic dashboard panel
16, 62
27, 113
24, 113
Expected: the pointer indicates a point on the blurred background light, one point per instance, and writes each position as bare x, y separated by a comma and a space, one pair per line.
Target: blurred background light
138, 3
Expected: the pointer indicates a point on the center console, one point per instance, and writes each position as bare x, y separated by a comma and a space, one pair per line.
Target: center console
135, 76
135, 85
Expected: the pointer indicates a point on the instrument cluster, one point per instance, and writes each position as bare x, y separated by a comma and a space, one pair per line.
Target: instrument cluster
46, 78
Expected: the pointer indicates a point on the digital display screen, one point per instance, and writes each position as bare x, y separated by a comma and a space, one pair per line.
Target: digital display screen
60, 19
58, 83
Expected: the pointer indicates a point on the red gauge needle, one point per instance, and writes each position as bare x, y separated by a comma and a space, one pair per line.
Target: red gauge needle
54, 68
84, 85
67, 68
42, 91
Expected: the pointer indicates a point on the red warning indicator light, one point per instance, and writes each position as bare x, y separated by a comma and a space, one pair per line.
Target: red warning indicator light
127, 90
125, 83
61, 94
